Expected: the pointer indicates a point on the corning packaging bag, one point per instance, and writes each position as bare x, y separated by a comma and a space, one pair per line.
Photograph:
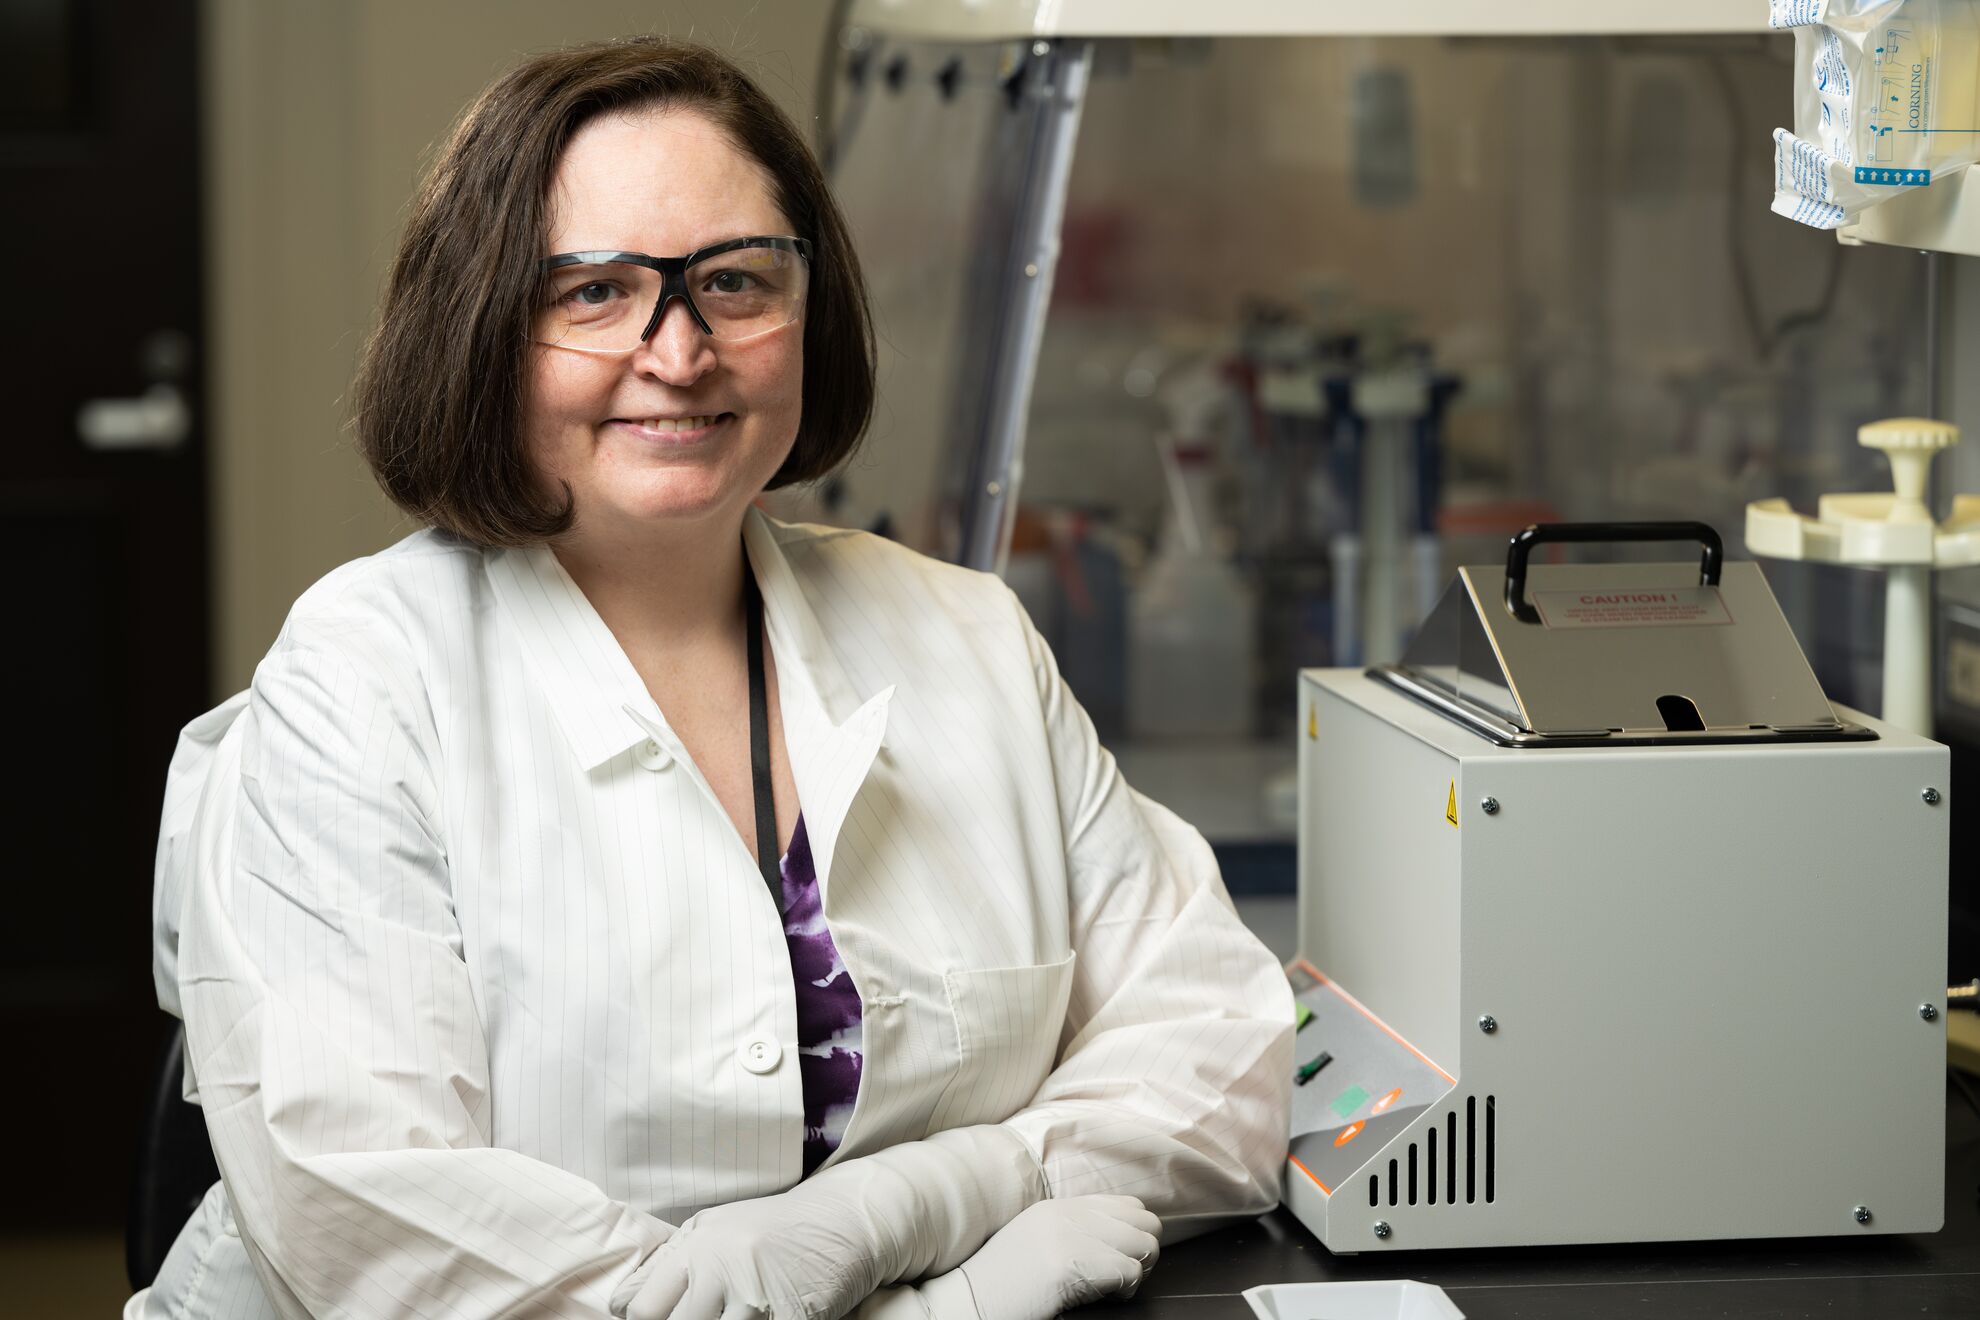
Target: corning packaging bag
1883, 102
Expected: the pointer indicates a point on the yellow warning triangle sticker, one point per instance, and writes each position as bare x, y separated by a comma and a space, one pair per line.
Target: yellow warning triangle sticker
1450, 804
1312, 721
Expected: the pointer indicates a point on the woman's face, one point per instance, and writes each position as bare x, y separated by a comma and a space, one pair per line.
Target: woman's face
684, 430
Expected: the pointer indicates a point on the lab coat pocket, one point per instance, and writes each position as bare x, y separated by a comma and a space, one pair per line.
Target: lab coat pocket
1008, 1023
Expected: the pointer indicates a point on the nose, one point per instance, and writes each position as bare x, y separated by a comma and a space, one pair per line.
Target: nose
677, 352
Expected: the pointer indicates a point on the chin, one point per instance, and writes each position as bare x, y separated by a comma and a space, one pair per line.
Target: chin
679, 502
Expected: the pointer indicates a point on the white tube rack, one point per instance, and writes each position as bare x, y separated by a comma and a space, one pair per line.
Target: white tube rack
1893, 531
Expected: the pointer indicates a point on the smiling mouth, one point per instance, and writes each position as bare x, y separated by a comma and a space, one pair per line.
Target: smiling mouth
669, 425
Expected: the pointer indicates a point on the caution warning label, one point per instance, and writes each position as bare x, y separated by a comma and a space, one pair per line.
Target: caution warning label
1450, 805
1632, 607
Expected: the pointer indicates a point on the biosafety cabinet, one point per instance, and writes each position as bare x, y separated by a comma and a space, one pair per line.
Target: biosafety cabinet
1225, 334
1612, 928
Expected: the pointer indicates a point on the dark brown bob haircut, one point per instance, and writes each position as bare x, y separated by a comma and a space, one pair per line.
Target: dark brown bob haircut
440, 389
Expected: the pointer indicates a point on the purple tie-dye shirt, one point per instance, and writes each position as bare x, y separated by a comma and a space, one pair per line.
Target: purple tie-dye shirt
828, 1007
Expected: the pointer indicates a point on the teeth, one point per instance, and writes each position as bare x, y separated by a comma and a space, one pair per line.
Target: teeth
677, 423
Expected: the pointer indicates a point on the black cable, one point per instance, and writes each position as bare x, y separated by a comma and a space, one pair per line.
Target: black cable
759, 739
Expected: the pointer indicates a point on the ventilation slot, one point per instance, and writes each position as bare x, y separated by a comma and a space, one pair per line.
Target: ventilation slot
1438, 1168
1432, 1167
1450, 1158
1402, 1181
1470, 1149
1405, 1170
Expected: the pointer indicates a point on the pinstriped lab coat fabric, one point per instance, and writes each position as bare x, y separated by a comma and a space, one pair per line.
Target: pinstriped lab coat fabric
483, 992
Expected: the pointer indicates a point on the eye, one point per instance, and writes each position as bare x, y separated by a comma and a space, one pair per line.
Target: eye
593, 294
732, 281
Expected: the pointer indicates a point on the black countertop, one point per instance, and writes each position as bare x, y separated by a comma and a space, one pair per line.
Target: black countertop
1933, 1274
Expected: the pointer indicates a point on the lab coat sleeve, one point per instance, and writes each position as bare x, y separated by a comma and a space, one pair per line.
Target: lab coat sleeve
330, 1021
1174, 1075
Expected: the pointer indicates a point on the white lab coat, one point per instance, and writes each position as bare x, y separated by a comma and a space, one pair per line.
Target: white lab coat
483, 992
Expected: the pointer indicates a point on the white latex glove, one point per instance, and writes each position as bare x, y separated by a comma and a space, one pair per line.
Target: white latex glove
815, 1251
1054, 1256
774, 1256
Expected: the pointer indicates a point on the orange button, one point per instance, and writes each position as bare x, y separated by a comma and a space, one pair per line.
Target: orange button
1386, 1101
1349, 1133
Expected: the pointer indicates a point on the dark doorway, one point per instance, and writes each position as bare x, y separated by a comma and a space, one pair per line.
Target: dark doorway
103, 499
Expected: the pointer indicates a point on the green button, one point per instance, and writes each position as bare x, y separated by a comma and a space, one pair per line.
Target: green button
1349, 1100
1301, 1016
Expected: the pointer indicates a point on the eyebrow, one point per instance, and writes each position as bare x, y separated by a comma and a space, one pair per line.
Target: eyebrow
698, 247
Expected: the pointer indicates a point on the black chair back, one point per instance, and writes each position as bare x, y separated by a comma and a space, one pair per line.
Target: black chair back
174, 1168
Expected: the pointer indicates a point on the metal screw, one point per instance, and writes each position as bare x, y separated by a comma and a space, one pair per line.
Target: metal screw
1862, 1214
1488, 1024
1931, 796
1928, 1012
1041, 48
994, 488
1031, 273
1382, 1229
1490, 806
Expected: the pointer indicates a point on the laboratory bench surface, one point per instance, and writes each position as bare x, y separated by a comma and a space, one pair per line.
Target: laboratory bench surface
1930, 1274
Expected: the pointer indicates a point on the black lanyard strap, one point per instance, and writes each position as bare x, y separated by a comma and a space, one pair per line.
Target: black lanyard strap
759, 738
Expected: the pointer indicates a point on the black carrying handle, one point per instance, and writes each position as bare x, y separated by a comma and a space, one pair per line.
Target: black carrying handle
1526, 538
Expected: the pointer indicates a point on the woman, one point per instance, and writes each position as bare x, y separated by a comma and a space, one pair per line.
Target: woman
610, 899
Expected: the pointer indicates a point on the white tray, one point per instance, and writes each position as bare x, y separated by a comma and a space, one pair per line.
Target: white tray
1382, 1299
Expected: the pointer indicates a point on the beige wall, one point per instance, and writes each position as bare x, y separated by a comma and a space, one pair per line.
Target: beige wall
319, 119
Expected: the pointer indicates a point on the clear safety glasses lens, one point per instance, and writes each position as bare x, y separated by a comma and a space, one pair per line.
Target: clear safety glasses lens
604, 306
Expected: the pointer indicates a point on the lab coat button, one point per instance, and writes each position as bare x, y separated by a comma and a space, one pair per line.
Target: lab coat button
652, 755
761, 1055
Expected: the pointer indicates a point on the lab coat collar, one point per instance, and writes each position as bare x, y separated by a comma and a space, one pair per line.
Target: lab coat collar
603, 707
577, 662
805, 659
831, 733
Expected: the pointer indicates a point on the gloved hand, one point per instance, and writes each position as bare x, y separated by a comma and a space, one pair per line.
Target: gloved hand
776, 1255
813, 1252
1054, 1256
